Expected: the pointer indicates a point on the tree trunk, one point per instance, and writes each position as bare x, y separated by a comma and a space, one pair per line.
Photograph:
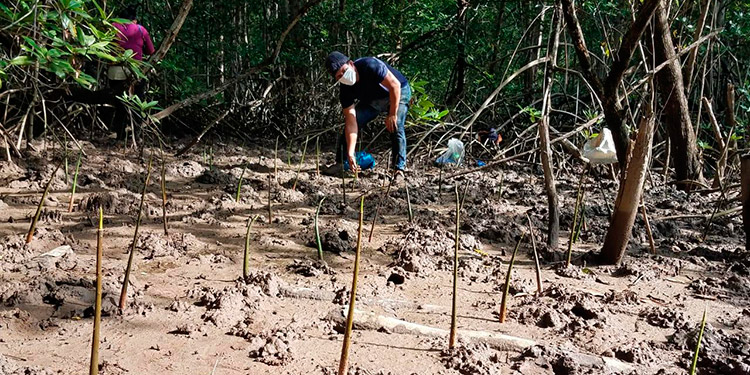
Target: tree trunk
746, 198
553, 227
614, 112
459, 69
669, 82
690, 65
171, 35
629, 196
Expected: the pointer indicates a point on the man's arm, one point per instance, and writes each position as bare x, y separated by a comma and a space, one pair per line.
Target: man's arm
350, 134
394, 90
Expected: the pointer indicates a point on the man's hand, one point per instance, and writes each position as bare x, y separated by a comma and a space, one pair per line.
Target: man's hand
390, 123
353, 166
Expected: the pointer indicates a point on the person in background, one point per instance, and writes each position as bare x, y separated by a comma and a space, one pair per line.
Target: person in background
377, 88
134, 37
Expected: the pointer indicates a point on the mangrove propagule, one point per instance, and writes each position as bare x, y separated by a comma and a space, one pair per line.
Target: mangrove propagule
75, 182
246, 258
452, 338
30, 235
94, 365
128, 268
299, 167
504, 303
317, 230
343, 363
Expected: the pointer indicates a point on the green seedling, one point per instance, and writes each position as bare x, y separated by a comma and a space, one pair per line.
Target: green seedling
164, 190
276, 161
698, 345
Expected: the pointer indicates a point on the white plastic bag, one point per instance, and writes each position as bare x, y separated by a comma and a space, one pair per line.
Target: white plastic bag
601, 150
454, 154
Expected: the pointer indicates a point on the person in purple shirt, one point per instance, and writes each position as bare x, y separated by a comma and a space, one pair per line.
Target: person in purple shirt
134, 37
369, 87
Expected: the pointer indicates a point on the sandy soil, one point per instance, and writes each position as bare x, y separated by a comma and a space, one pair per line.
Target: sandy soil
190, 311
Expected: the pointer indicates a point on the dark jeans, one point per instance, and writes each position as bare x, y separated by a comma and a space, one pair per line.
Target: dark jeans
367, 112
121, 117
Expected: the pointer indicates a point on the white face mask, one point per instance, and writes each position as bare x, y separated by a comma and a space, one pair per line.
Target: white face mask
349, 77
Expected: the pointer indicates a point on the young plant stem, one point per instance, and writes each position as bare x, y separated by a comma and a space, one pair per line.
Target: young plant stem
270, 214
408, 202
581, 217
698, 345
452, 337
579, 198
30, 235
317, 156
276, 161
164, 191
648, 228
504, 303
343, 185
246, 258
440, 185
94, 365
343, 368
377, 210
75, 183
239, 183
129, 267
317, 230
536, 257
299, 167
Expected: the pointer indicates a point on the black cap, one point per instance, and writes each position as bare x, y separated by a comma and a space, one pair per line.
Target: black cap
335, 61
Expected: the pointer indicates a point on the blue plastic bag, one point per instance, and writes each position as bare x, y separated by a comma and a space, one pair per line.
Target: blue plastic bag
364, 160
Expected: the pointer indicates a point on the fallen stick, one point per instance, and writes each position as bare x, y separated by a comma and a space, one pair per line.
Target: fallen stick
364, 320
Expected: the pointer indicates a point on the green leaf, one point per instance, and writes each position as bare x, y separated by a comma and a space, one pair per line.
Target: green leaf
21, 60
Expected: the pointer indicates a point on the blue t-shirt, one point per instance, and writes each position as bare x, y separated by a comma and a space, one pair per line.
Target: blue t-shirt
372, 72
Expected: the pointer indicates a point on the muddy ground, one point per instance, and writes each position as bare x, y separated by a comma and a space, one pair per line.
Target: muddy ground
189, 311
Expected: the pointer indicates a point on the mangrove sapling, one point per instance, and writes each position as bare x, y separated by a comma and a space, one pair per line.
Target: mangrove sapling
579, 198
452, 337
536, 257
698, 344
317, 230
246, 258
299, 167
377, 208
276, 161
317, 156
343, 368
30, 235
75, 182
163, 190
270, 216
408, 202
343, 185
128, 268
504, 303
94, 365
239, 183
